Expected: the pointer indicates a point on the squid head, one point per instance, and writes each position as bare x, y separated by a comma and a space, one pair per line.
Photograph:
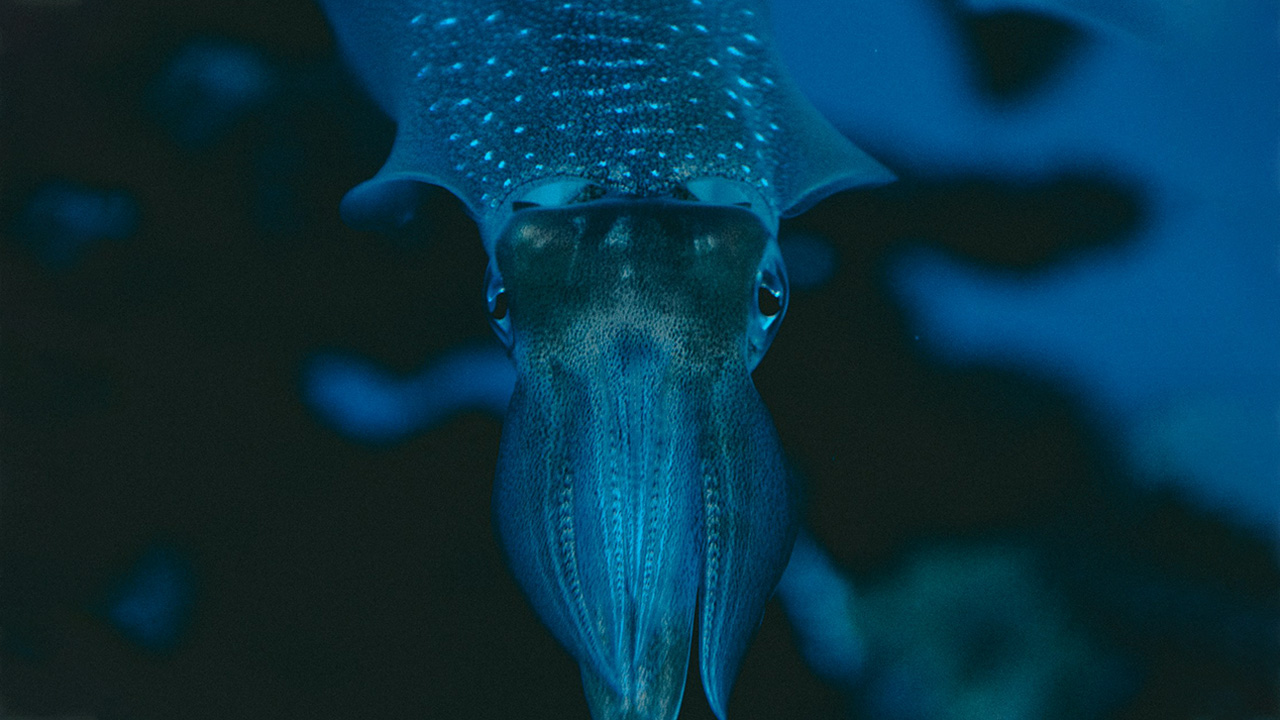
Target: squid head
640, 480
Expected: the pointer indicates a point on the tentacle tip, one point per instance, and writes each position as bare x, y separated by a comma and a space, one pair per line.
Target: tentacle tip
717, 692
660, 702
719, 705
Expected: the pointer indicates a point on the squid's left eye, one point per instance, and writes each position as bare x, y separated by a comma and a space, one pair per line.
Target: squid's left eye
769, 307
771, 293
769, 300
495, 295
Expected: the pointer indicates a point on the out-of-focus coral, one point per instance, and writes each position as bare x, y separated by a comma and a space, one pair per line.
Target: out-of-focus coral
208, 86
953, 633
152, 602
823, 609
1175, 97
62, 220
969, 633
368, 403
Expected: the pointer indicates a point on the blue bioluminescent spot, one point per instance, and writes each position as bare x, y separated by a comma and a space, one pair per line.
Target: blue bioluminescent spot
207, 87
821, 605
153, 600
62, 220
369, 403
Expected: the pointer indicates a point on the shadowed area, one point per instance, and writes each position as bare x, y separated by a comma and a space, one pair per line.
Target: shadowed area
1014, 52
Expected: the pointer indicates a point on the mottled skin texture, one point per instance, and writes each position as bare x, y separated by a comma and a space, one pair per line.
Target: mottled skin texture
627, 162
641, 97
639, 469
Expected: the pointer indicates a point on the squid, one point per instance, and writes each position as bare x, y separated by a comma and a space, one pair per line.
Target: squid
627, 163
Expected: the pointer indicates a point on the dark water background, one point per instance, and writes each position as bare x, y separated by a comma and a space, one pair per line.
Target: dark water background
182, 535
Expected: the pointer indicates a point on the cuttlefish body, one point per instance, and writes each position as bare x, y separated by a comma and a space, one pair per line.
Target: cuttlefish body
627, 163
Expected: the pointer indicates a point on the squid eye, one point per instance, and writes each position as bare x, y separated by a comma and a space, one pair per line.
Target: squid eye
769, 301
495, 295
770, 305
498, 306
771, 291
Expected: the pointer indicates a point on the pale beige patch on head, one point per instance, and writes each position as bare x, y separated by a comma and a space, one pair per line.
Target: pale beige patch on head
619, 236
705, 243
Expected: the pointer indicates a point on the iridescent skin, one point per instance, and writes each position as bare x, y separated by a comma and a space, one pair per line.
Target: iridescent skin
627, 163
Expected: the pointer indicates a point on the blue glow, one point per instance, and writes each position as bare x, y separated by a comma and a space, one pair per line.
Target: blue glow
209, 86
62, 220
154, 600
368, 403
822, 607
1182, 97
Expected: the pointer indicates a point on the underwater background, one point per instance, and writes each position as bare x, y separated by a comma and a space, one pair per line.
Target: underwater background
1033, 387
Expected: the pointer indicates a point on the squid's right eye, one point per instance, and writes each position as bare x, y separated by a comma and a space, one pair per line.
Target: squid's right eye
495, 295
770, 304
769, 300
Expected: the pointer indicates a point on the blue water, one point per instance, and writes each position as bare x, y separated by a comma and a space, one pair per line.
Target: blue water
1179, 324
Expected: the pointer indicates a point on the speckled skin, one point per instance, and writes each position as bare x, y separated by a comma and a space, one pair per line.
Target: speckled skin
492, 97
639, 475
